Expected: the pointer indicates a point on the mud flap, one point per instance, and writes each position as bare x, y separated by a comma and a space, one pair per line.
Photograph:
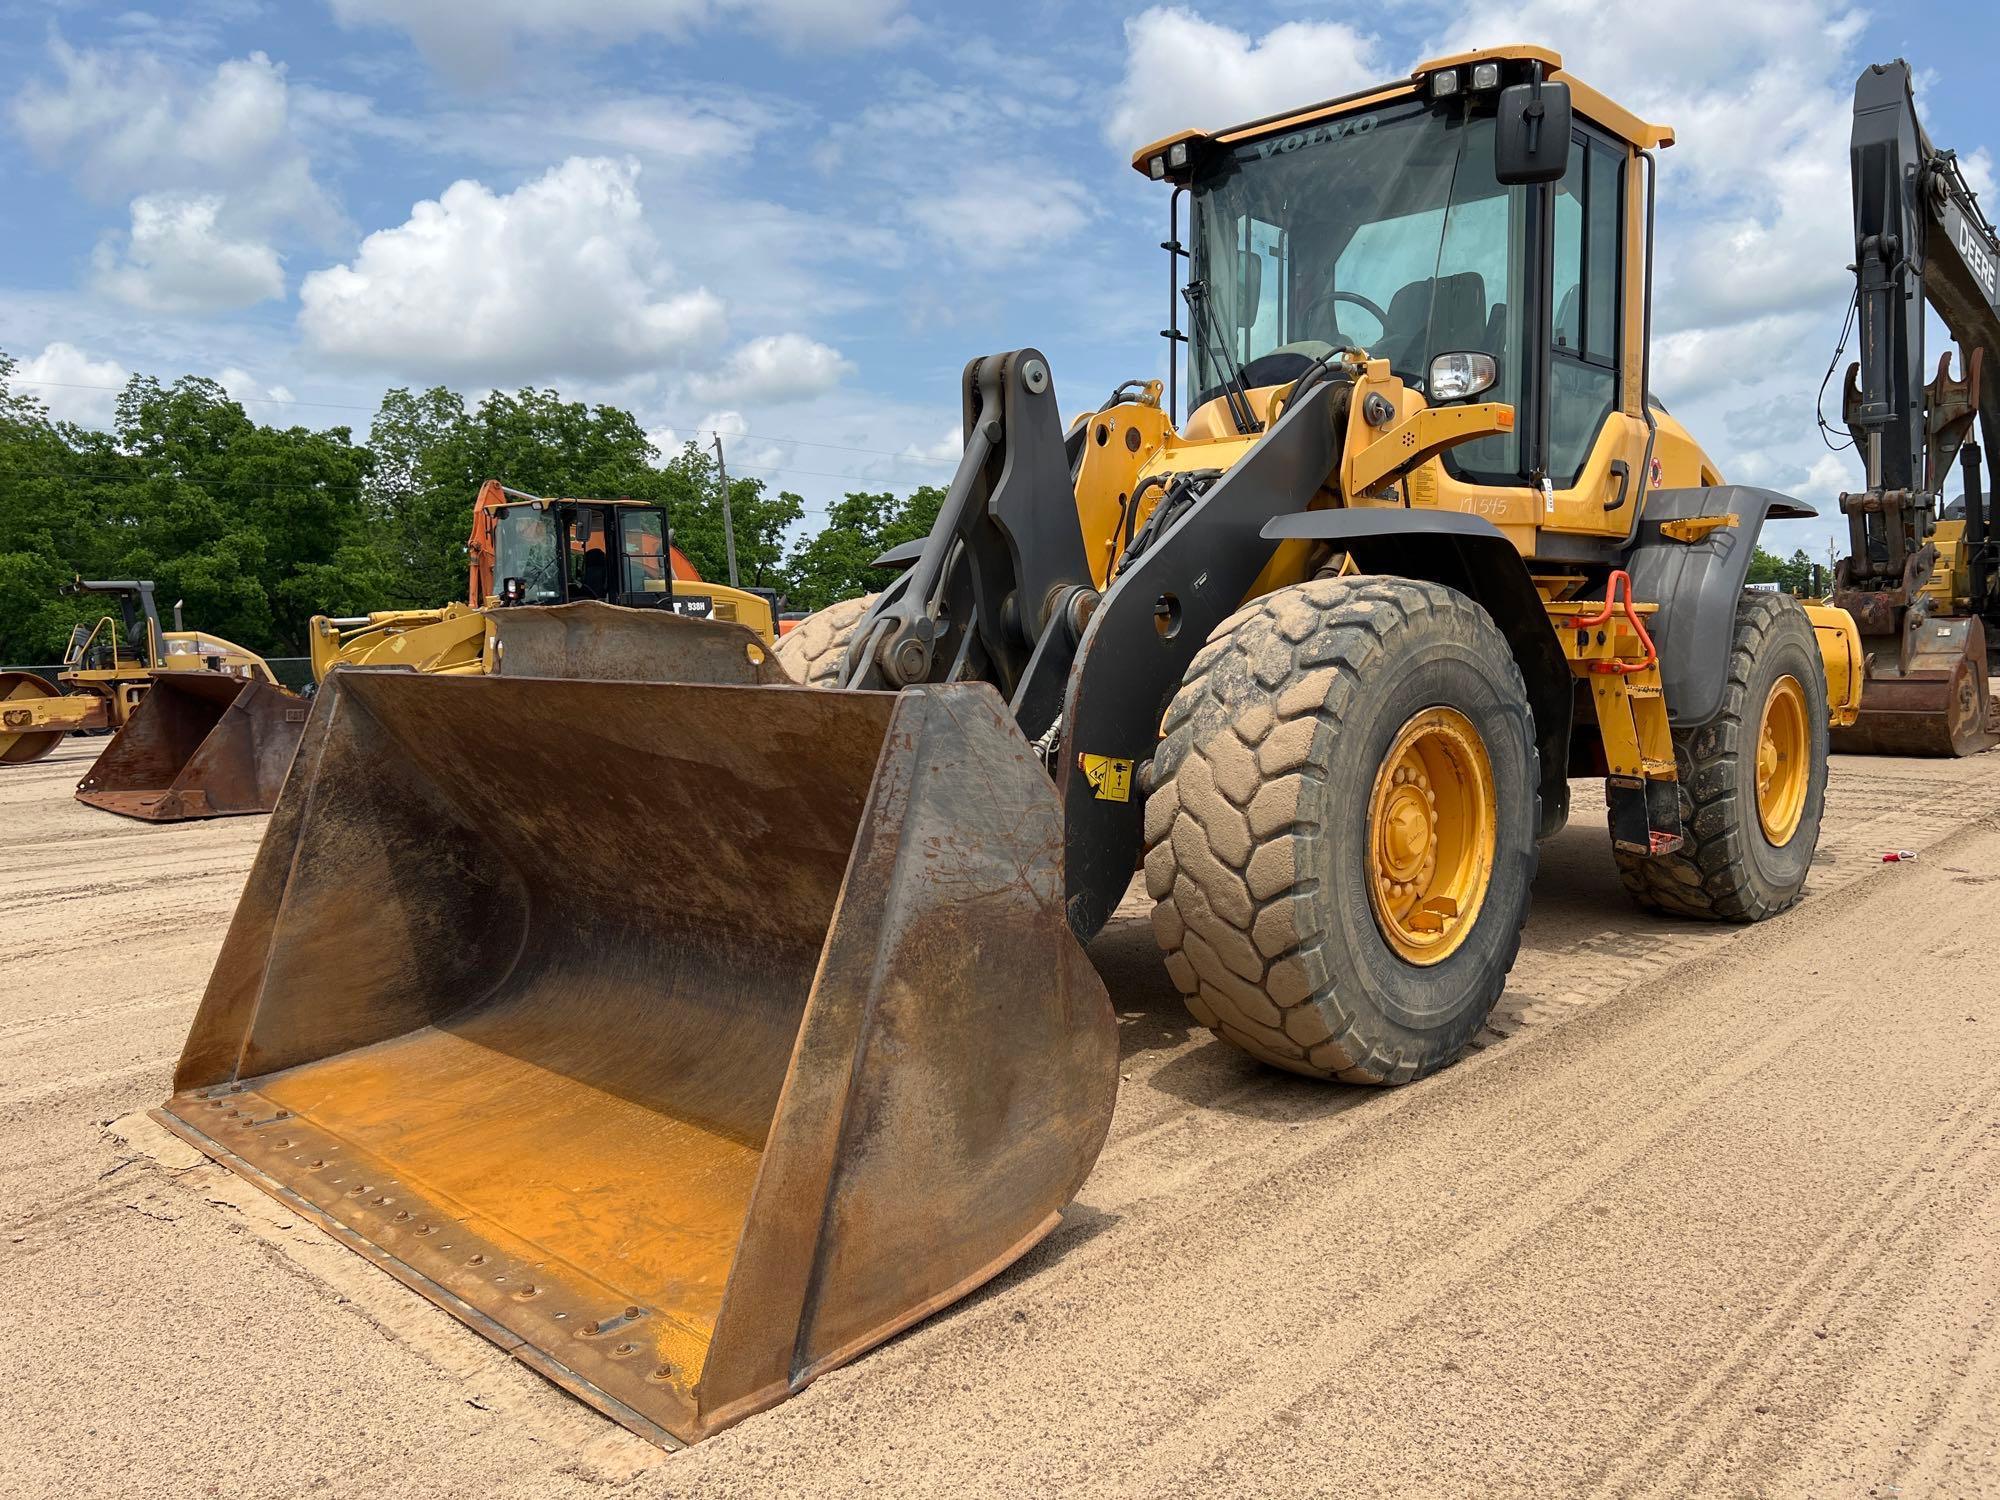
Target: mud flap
199, 745
687, 1040
1925, 693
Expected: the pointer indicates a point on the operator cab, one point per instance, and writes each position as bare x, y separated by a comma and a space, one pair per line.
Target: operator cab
564, 551
1484, 255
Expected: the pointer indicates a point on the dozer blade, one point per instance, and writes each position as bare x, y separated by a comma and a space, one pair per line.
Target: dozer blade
685, 1040
199, 745
1924, 696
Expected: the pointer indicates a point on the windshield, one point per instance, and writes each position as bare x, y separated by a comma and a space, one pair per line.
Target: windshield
524, 547
1385, 231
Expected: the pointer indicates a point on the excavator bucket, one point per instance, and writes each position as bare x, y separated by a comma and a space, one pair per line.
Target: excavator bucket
685, 1039
1926, 693
199, 745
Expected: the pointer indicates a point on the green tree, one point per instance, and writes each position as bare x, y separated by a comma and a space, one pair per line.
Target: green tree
1792, 575
691, 489
836, 563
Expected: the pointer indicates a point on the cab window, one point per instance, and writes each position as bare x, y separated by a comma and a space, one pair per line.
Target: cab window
643, 542
1589, 219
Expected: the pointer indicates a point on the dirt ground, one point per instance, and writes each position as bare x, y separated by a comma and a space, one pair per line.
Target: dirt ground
1710, 1211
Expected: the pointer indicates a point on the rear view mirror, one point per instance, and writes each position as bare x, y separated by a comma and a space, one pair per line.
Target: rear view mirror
1531, 134
1252, 290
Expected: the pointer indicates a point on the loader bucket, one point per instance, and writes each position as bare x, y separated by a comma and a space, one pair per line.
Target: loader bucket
611, 642
687, 1040
1925, 693
199, 745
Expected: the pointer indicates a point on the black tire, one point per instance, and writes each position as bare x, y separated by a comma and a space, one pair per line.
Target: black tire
1257, 824
1727, 870
811, 650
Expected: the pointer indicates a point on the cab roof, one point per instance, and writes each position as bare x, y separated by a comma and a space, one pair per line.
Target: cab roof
1599, 109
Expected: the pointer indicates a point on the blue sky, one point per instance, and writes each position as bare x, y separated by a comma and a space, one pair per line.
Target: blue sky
795, 220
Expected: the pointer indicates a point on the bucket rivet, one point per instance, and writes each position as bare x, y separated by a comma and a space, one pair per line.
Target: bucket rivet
235, 1088
631, 1312
402, 1216
664, 1372
625, 1351
593, 1326
477, 1260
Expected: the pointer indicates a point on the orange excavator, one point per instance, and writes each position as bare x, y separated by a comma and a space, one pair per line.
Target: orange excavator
529, 550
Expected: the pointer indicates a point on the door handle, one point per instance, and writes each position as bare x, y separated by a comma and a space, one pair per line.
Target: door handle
1624, 472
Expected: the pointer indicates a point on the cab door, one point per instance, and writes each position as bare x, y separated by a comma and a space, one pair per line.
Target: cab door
1592, 429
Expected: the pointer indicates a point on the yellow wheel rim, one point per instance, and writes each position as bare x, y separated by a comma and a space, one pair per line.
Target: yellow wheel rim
1784, 761
1432, 830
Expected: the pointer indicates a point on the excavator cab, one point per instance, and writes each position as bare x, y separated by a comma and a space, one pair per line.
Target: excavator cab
567, 551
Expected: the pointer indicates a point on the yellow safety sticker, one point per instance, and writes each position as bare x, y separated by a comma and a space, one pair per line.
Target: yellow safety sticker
1110, 776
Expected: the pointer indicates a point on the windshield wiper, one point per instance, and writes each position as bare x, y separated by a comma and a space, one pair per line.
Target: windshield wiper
1233, 389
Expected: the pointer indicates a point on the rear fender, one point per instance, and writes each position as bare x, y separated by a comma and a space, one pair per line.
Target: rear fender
1697, 585
1471, 555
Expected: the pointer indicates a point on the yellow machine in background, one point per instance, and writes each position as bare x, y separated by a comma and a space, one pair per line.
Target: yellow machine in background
107, 668
527, 550
692, 1036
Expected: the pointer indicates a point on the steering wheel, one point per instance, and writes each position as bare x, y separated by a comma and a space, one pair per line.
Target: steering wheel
1372, 309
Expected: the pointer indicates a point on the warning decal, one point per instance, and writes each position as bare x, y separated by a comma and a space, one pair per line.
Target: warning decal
1110, 776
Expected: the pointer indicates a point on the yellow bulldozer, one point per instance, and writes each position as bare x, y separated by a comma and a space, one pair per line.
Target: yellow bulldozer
528, 550
202, 727
689, 1037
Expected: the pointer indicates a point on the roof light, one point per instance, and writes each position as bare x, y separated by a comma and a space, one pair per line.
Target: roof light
1157, 168
1486, 75
1177, 155
1444, 84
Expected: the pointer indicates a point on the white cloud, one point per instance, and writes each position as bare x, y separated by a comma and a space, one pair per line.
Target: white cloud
776, 368
997, 214
74, 387
946, 450
474, 38
1182, 71
560, 276
179, 259
128, 122
247, 388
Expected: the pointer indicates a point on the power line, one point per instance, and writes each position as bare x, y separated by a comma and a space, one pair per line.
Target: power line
904, 455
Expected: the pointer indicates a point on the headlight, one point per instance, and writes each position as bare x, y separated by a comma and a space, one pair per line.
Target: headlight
1486, 75
1156, 168
1445, 84
183, 648
1177, 155
1456, 376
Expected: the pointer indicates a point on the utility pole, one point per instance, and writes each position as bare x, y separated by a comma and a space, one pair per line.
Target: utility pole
728, 521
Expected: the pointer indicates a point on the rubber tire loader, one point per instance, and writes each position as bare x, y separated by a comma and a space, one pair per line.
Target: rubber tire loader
690, 1035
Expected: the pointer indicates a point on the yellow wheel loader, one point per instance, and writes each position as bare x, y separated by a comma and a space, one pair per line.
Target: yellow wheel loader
202, 727
689, 1037
527, 550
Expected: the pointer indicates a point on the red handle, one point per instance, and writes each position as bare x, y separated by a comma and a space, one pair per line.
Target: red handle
1621, 582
